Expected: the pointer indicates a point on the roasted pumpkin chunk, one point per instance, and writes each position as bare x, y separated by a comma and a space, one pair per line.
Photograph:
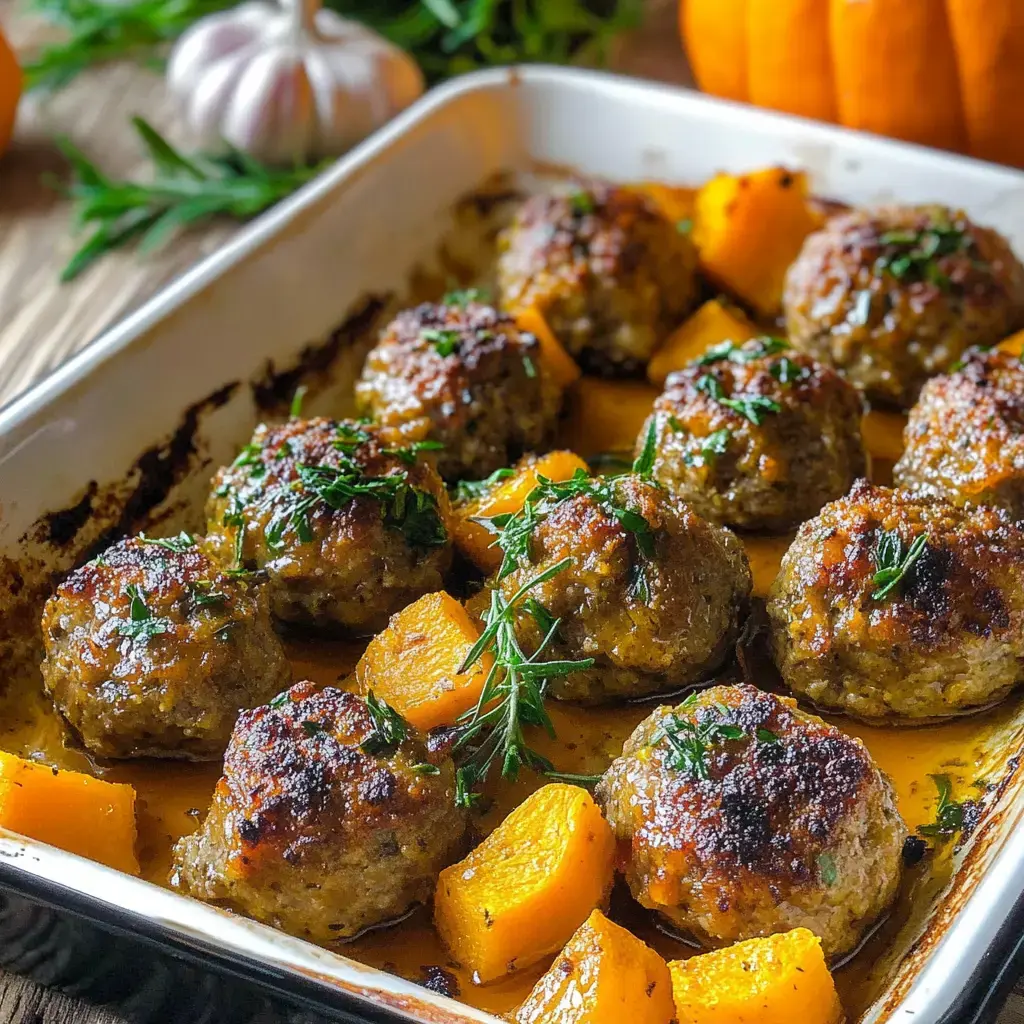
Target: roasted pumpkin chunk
520, 895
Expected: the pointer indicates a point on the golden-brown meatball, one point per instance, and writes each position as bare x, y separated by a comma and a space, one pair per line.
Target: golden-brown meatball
893, 607
462, 375
894, 295
757, 437
152, 650
347, 528
331, 816
653, 593
965, 438
738, 815
610, 273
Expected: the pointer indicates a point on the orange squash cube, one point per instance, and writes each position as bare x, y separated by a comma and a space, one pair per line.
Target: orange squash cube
1014, 344
561, 365
607, 415
712, 324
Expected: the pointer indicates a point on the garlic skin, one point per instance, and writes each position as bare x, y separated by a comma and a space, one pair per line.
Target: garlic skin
288, 82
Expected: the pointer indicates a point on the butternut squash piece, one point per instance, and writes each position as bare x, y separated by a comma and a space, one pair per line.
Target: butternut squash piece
777, 980
520, 895
1014, 344
605, 975
749, 228
414, 663
674, 201
712, 324
883, 434
560, 364
607, 415
75, 812
509, 495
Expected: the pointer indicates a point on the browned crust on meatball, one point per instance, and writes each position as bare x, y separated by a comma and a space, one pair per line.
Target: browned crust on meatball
947, 640
463, 375
770, 475
356, 565
889, 333
697, 582
170, 679
610, 274
965, 438
311, 832
784, 822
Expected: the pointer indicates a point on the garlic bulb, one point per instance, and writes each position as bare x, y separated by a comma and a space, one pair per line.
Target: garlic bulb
288, 82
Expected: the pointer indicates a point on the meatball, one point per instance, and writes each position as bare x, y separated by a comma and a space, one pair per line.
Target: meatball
152, 650
965, 438
652, 592
741, 816
464, 376
894, 295
610, 273
889, 606
331, 816
755, 437
347, 529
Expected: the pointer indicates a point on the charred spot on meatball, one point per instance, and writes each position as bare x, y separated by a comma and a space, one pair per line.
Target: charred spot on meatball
347, 527
757, 436
463, 376
331, 817
650, 591
742, 816
893, 295
965, 438
891, 607
151, 650
611, 275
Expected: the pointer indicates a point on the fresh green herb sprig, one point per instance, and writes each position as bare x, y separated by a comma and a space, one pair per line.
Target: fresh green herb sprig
742, 352
752, 408
949, 813
142, 624
469, 490
409, 454
183, 192
389, 728
179, 545
893, 561
445, 341
913, 256
513, 694
714, 444
464, 296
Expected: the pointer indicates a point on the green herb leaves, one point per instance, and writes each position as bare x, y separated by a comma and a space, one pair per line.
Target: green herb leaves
949, 814
744, 352
389, 729
513, 693
751, 407
827, 869
462, 297
184, 191
581, 202
644, 462
179, 545
913, 256
469, 490
445, 342
893, 561
142, 624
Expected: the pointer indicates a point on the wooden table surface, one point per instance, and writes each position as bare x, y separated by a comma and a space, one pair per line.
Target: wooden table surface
43, 322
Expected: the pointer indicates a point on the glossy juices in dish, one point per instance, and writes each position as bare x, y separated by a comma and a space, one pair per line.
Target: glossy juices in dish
173, 797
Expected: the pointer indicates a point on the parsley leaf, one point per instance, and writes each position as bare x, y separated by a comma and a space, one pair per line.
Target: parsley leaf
445, 341
581, 202
644, 463
949, 814
893, 561
468, 490
142, 624
179, 545
913, 256
751, 407
389, 728
464, 296
410, 453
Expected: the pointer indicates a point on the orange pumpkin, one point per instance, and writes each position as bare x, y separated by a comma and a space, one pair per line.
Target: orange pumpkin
10, 90
945, 73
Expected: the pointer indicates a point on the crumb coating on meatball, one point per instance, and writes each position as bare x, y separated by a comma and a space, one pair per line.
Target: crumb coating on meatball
347, 528
896, 294
152, 650
611, 275
465, 376
652, 592
329, 817
965, 438
944, 638
737, 815
757, 437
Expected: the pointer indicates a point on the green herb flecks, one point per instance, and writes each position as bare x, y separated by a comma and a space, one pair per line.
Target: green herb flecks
581, 202
644, 462
349, 436
179, 545
298, 400
389, 729
462, 297
409, 454
444, 341
785, 371
827, 869
914, 256
751, 407
949, 813
470, 490
716, 443
742, 352
203, 594
425, 769
893, 561
142, 624
513, 694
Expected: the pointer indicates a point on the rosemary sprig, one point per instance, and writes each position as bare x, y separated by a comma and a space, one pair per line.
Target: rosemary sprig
893, 561
184, 191
513, 693
389, 728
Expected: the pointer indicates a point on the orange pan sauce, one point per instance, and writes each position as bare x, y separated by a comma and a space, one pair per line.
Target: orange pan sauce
603, 416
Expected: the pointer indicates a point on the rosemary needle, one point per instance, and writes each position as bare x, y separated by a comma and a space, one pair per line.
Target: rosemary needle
184, 191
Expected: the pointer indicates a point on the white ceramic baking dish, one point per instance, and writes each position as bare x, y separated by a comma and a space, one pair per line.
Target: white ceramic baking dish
124, 436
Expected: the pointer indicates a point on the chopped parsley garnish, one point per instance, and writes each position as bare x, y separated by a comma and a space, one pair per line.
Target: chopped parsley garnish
766, 735
743, 352
295, 409
469, 490
785, 371
389, 729
179, 545
684, 226
913, 256
445, 341
425, 768
350, 436
893, 561
644, 462
529, 367
280, 700
464, 296
949, 813
234, 516
751, 407
513, 693
203, 595
581, 202
142, 624
312, 728
410, 453
827, 869
715, 444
